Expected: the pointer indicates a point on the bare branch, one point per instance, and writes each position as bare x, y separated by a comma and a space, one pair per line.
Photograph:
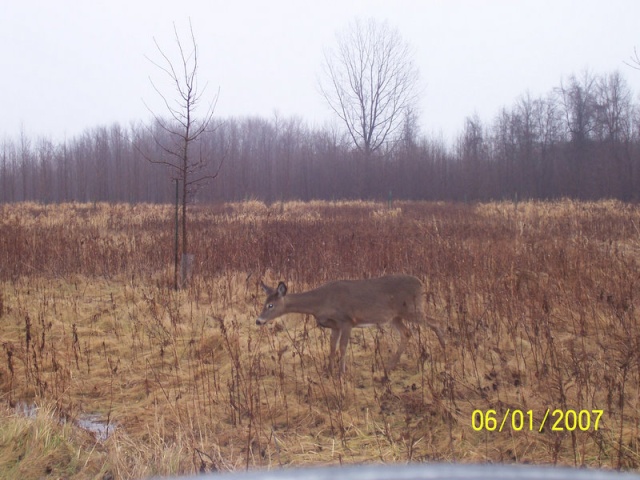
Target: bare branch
634, 60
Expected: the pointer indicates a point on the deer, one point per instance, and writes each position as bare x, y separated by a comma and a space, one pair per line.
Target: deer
343, 305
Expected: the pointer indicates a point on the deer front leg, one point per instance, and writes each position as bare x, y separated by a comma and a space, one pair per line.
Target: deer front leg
345, 333
335, 336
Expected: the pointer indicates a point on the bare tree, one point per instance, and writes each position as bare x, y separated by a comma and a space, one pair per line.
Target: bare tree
370, 83
613, 107
178, 135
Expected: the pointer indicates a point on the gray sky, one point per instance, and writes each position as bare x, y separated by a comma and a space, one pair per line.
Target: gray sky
72, 65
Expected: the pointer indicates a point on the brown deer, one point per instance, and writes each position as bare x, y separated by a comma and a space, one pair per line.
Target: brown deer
345, 304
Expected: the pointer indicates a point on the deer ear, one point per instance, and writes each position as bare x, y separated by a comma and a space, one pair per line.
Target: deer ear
282, 289
267, 290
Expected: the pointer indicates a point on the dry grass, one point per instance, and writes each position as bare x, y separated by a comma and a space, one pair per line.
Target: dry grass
538, 301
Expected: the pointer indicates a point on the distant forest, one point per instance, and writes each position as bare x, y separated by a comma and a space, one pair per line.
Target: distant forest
581, 140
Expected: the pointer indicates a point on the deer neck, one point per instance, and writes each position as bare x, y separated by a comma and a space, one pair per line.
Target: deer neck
307, 302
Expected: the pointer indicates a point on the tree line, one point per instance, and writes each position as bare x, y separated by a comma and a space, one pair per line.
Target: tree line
581, 140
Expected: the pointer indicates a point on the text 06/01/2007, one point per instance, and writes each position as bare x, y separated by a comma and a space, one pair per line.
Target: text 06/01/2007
517, 420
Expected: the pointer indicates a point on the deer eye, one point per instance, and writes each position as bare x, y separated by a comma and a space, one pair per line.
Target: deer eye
270, 306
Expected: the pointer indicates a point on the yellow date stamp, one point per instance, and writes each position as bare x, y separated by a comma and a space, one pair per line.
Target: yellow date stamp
560, 420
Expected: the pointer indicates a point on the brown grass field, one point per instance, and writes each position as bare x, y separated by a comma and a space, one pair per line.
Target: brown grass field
537, 300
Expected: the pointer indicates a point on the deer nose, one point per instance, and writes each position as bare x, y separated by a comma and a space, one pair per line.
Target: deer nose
258, 322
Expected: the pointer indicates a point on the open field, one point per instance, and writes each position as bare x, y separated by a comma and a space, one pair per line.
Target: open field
538, 303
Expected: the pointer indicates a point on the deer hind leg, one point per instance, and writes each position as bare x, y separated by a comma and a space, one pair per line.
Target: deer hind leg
404, 333
420, 318
431, 323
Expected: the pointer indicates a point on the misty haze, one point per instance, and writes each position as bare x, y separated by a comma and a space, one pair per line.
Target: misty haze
267, 236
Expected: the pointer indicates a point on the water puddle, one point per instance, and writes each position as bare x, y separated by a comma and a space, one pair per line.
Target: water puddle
93, 423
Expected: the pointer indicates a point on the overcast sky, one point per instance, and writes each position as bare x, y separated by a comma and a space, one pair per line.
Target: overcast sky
67, 66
